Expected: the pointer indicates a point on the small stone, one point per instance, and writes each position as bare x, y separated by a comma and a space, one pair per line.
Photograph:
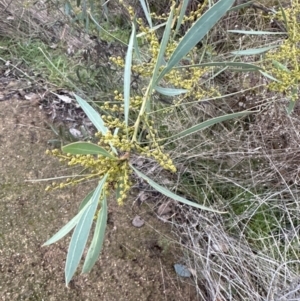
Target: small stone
182, 270
142, 196
75, 133
138, 222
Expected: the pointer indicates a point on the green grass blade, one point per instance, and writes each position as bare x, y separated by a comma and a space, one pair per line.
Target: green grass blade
98, 238
87, 21
81, 233
71, 224
86, 148
127, 75
170, 194
284, 17
92, 114
253, 32
196, 33
253, 51
169, 91
146, 12
209, 123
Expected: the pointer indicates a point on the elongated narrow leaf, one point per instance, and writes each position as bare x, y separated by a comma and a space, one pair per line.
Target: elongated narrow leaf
68, 8
238, 7
127, 75
222, 64
98, 238
253, 51
254, 32
118, 190
146, 12
70, 225
196, 33
141, 34
102, 29
163, 44
170, 194
136, 48
292, 101
181, 15
267, 75
81, 233
65, 229
92, 114
86, 200
291, 106
104, 5
94, 117
86, 148
243, 70
209, 123
280, 66
170, 91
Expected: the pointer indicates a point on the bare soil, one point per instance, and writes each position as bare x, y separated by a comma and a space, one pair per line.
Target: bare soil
136, 263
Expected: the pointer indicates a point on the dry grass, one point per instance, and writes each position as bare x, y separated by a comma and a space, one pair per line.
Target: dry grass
30, 20
247, 167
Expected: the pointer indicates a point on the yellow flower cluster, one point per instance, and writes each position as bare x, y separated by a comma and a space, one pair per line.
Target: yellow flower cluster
118, 104
130, 11
117, 168
119, 141
135, 101
283, 63
163, 159
188, 78
185, 78
122, 137
118, 61
193, 15
196, 14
